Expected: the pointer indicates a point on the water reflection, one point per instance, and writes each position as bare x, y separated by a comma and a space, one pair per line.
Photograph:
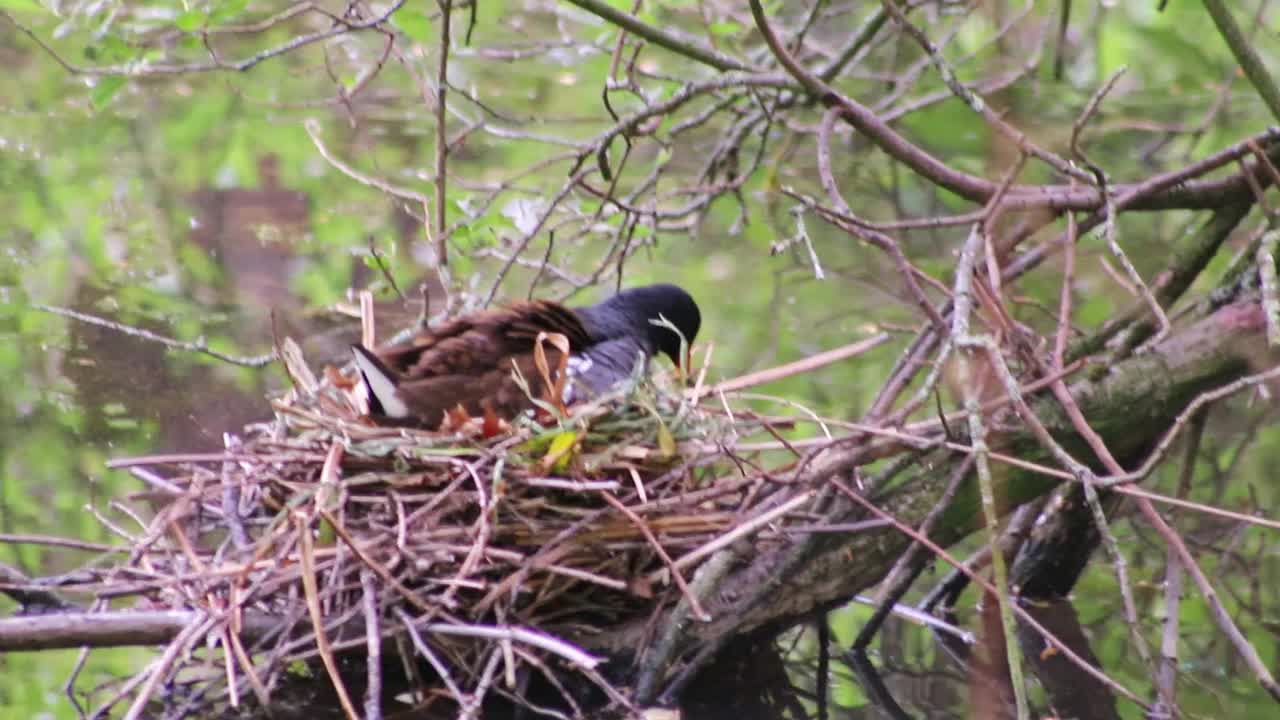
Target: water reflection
247, 247
83, 393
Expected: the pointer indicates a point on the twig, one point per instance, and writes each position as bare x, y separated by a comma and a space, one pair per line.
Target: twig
987, 586
312, 126
1266, 259
878, 239
373, 641
160, 668
146, 69
231, 493
32, 599
442, 140
1166, 678
306, 556
199, 345
1203, 399
1253, 67
908, 567
672, 571
661, 38
799, 367
49, 540
528, 636
1109, 235
1078, 421
1090, 108
425, 651
920, 617
976, 103
968, 346
654, 664
744, 530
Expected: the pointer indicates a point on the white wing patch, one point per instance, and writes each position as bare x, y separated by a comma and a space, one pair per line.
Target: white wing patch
377, 385
574, 368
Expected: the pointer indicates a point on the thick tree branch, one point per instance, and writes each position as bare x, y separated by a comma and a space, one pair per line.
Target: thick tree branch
53, 631
1131, 409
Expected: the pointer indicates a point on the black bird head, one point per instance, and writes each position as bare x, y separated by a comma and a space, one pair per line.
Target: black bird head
631, 311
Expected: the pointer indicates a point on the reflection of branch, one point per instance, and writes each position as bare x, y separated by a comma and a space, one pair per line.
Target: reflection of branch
143, 69
199, 345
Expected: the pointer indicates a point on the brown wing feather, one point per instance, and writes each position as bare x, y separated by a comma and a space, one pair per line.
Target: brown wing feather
530, 318
430, 398
468, 361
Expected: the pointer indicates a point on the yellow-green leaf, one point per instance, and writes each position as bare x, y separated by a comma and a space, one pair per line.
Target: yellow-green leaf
228, 10
106, 89
413, 23
327, 536
666, 441
725, 28
560, 453
190, 21
22, 6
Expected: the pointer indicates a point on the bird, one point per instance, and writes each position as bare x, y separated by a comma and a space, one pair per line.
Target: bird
473, 361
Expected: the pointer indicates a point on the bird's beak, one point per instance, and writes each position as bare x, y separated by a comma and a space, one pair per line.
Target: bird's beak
685, 370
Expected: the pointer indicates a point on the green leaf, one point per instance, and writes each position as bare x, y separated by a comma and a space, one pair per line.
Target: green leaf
227, 11
110, 49
464, 238
106, 89
22, 6
191, 20
328, 535
666, 441
561, 452
413, 23
725, 28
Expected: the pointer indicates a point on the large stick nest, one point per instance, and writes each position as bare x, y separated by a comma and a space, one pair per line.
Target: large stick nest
470, 564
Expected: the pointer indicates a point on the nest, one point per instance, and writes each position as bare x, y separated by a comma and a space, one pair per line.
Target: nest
320, 546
